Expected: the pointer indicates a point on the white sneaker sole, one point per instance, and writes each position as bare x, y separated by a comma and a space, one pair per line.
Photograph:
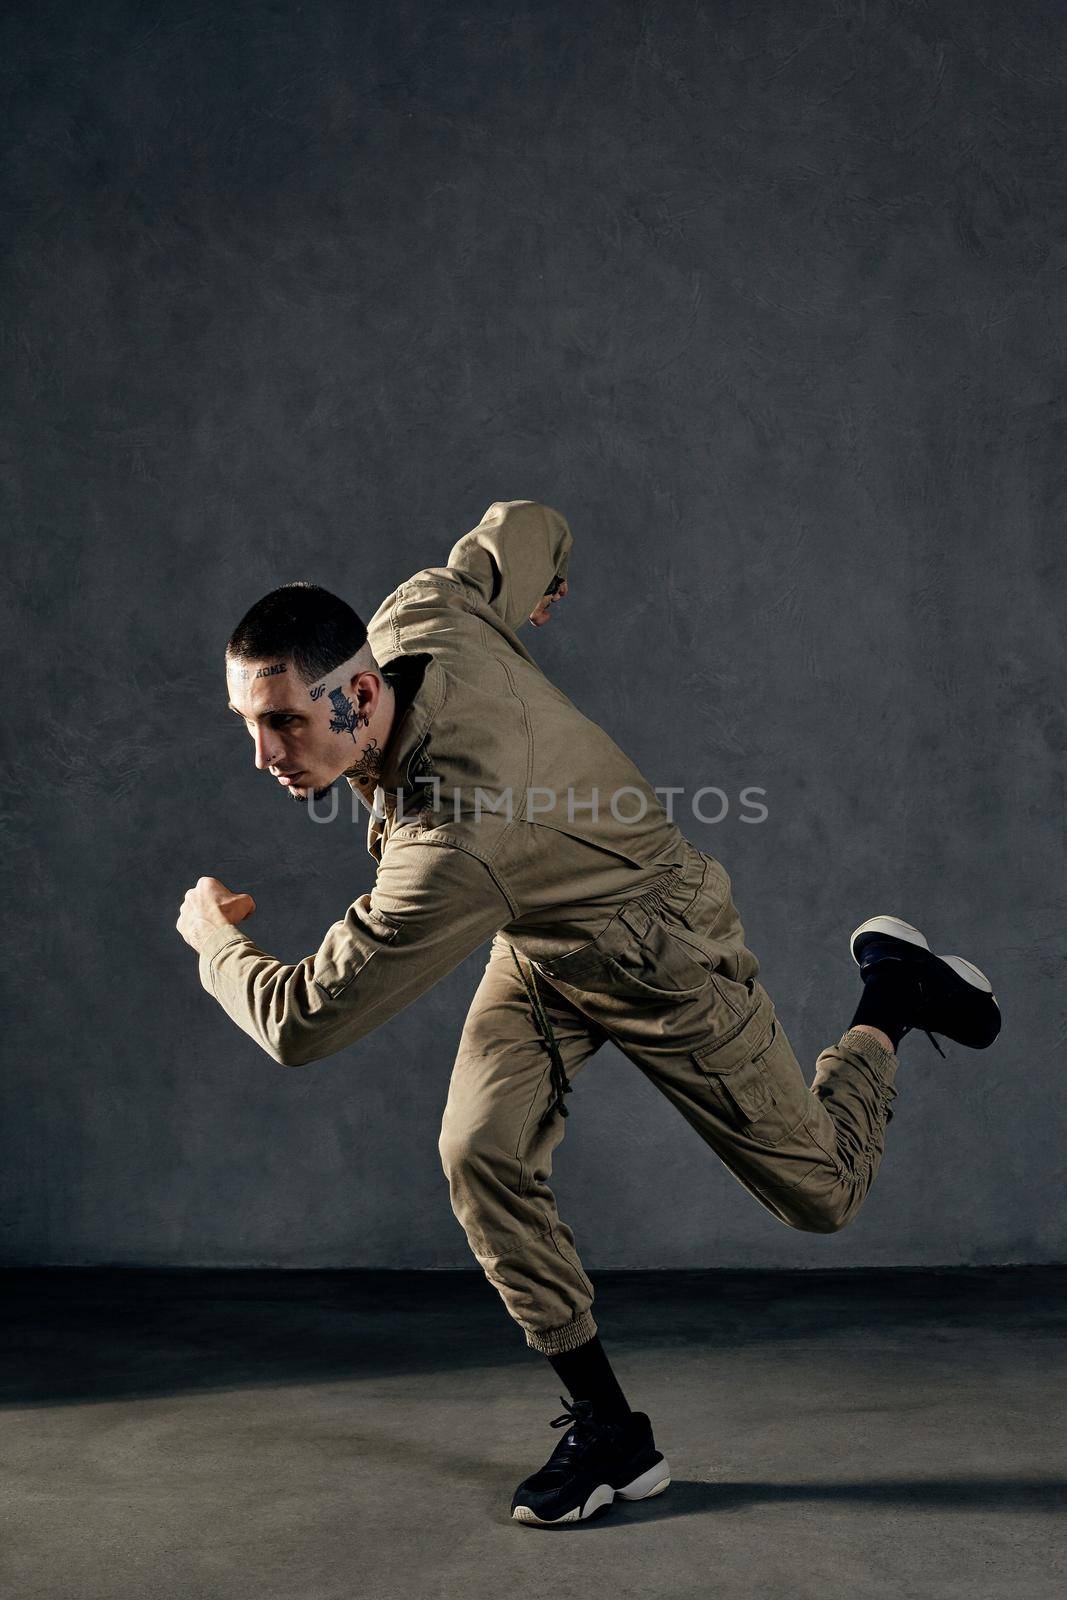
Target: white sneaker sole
654, 1481
898, 929
969, 973
894, 926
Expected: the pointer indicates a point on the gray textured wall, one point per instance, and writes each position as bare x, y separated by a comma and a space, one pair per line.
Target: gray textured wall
765, 300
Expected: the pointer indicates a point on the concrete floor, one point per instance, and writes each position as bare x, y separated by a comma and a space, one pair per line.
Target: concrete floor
309, 1436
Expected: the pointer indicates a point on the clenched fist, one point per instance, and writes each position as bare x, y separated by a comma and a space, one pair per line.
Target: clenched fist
208, 906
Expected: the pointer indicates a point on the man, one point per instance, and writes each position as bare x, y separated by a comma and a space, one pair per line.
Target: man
499, 811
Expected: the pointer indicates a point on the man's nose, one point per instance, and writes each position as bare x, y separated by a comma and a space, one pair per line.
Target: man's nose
267, 752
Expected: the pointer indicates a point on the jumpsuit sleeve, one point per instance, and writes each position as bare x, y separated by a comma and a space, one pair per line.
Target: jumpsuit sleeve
512, 556
431, 905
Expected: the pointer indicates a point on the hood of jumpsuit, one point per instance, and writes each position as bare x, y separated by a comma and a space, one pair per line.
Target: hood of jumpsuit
539, 554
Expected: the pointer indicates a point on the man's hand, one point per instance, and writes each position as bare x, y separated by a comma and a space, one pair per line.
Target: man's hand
540, 616
208, 906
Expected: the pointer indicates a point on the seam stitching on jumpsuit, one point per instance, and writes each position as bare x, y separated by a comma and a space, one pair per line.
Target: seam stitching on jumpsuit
529, 741
211, 964
397, 602
524, 1171
551, 1232
453, 841
696, 892
514, 821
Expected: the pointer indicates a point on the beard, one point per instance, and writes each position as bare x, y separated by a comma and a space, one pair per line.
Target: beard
317, 794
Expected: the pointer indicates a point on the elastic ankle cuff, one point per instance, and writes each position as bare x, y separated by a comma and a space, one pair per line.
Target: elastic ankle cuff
553, 1341
865, 1044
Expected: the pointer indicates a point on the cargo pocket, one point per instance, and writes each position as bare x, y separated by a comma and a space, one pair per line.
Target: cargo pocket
756, 1076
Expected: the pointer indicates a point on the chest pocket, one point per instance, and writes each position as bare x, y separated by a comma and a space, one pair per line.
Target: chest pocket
350, 944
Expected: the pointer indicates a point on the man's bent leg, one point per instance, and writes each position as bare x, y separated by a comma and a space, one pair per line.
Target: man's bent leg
675, 986
496, 1151
854, 1086
808, 1154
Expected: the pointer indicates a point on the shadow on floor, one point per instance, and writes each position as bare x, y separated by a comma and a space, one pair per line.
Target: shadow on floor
687, 1498
90, 1334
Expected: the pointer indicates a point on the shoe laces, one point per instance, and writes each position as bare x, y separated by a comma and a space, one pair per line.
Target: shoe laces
932, 1040
584, 1427
867, 967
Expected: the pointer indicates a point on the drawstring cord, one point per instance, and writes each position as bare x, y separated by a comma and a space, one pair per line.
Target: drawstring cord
561, 1085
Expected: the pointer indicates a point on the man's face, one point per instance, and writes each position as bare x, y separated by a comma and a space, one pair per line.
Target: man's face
306, 735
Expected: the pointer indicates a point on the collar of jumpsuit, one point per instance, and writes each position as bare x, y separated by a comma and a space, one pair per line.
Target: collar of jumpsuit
419, 686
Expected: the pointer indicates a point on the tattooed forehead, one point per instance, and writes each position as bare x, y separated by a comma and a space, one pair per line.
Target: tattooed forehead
332, 682
243, 674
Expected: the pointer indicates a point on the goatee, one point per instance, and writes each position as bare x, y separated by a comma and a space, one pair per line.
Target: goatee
317, 794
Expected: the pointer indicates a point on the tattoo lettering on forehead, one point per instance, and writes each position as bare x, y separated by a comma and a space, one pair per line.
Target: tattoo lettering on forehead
368, 768
318, 691
346, 718
261, 672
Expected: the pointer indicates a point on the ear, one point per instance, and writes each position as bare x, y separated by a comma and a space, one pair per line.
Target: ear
372, 685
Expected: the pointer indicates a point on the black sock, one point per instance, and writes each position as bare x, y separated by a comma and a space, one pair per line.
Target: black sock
888, 1000
588, 1375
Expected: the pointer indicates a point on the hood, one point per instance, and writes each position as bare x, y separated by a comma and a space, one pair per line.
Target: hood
512, 556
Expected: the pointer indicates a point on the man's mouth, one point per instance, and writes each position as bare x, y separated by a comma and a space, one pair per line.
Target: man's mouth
288, 777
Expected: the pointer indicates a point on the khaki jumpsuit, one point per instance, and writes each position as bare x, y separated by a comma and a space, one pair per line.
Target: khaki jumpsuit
504, 813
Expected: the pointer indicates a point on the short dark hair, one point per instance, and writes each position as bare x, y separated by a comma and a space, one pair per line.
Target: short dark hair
302, 623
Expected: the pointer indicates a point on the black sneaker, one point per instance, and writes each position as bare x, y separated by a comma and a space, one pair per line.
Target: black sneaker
593, 1462
954, 998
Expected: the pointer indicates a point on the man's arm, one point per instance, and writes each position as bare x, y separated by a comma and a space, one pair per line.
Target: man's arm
512, 556
430, 907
